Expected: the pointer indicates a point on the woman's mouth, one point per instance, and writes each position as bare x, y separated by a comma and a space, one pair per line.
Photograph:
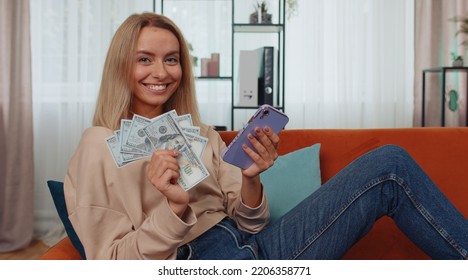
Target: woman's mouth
154, 87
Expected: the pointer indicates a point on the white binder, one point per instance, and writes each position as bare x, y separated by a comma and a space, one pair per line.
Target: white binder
248, 77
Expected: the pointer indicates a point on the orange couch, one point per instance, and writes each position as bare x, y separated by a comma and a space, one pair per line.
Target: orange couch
442, 153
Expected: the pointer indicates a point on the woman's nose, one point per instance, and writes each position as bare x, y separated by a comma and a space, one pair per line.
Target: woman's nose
158, 70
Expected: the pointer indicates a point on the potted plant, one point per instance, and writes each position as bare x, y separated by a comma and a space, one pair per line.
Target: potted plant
463, 28
261, 14
291, 8
457, 60
194, 58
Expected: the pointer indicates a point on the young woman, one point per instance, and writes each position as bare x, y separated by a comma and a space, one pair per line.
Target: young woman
139, 211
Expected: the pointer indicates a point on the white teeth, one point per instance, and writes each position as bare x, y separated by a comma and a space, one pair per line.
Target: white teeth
156, 87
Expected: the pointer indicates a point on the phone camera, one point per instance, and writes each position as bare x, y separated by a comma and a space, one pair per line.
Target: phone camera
266, 112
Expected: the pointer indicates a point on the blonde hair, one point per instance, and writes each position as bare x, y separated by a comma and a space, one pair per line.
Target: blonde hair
115, 96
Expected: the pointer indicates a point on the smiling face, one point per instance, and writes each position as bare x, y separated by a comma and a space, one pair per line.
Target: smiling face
157, 71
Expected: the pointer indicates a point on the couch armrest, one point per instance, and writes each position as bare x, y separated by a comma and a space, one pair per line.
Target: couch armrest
63, 250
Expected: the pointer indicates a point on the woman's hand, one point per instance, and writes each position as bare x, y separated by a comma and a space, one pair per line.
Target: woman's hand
163, 173
266, 143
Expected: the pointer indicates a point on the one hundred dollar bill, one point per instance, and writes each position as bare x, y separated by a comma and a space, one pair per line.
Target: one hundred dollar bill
191, 169
165, 134
191, 129
126, 156
125, 126
184, 120
136, 137
197, 143
114, 147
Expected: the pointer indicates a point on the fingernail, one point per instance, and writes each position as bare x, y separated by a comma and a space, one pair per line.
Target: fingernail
257, 130
267, 129
250, 136
244, 146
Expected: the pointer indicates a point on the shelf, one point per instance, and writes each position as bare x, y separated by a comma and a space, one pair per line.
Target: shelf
441, 95
254, 107
258, 28
213, 78
198, 1
446, 68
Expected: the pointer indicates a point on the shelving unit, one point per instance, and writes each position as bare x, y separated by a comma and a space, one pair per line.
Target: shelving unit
443, 71
259, 33
243, 36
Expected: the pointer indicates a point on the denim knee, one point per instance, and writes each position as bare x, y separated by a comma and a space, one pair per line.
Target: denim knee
392, 149
391, 152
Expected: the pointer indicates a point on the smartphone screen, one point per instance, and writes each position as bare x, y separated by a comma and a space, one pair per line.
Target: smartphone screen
266, 115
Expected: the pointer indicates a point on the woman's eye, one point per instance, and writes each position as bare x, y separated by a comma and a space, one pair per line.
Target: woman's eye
172, 60
144, 59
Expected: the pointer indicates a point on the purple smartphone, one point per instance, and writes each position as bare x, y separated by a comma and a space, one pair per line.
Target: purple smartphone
266, 115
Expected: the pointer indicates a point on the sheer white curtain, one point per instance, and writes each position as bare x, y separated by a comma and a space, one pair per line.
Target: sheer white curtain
349, 64
69, 44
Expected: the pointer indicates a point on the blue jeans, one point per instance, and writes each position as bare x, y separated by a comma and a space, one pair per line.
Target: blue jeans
386, 181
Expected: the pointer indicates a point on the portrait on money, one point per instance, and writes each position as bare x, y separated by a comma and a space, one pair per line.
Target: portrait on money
169, 142
178, 199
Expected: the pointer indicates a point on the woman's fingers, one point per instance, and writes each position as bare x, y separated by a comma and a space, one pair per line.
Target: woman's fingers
163, 173
265, 143
274, 138
163, 168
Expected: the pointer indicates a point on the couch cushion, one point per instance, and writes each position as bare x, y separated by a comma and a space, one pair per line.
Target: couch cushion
63, 250
56, 190
292, 178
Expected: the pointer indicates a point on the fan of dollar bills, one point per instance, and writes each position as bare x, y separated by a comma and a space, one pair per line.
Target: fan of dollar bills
140, 137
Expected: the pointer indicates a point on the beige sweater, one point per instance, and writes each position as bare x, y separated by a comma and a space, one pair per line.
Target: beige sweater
118, 214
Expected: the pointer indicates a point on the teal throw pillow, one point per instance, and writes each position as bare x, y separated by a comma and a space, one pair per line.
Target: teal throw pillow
291, 179
58, 196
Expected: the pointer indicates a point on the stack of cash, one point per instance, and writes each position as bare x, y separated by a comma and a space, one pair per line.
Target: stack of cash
139, 137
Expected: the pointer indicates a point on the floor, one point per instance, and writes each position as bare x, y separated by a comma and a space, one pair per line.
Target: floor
32, 252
